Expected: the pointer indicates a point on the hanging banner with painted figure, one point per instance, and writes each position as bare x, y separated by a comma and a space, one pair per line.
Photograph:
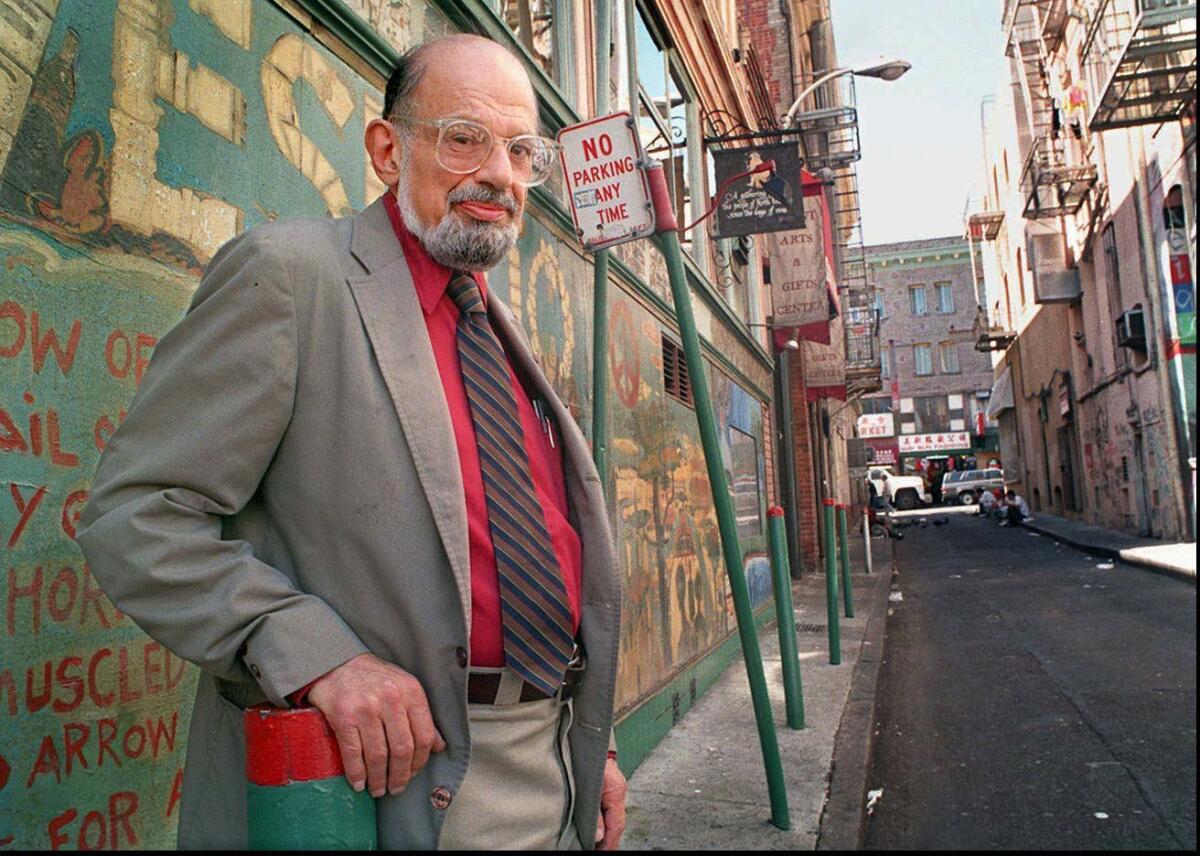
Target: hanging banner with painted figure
762, 202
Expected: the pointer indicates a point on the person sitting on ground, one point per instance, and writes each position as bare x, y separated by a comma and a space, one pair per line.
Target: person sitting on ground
988, 502
1016, 510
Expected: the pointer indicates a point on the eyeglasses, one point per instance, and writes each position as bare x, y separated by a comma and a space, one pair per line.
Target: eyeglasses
463, 146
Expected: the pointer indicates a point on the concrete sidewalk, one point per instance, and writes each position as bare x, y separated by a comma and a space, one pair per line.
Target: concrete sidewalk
704, 785
1178, 559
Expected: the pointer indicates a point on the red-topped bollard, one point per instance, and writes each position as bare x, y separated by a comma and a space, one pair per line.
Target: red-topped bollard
297, 796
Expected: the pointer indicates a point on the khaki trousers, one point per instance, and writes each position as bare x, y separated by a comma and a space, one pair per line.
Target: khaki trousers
519, 790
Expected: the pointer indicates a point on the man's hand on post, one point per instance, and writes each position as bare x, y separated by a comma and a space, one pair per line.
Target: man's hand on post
382, 722
611, 823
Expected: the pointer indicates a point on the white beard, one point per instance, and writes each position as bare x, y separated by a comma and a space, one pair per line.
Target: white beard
468, 245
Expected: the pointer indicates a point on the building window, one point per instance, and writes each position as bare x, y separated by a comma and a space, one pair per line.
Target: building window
949, 353
876, 405
922, 359
945, 298
880, 310
1112, 277
916, 299
744, 487
544, 29
664, 119
885, 362
676, 379
931, 413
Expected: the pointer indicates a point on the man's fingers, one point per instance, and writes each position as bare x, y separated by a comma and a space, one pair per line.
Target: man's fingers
400, 749
350, 747
614, 827
375, 753
426, 738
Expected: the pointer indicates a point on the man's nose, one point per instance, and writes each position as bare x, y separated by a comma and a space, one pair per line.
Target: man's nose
497, 169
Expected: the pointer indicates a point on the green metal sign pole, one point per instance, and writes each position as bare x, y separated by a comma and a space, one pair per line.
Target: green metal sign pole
667, 241
831, 586
600, 286
786, 615
844, 551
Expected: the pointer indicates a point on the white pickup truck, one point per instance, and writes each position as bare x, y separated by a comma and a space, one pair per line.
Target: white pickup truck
904, 492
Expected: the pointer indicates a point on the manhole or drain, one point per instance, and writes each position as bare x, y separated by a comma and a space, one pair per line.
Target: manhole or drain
810, 628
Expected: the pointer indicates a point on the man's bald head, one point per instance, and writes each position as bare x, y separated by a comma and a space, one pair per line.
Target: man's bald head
463, 53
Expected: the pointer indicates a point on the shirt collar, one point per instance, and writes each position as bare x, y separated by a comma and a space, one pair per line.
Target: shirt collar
430, 277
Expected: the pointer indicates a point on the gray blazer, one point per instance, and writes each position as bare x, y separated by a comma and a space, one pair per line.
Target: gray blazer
285, 494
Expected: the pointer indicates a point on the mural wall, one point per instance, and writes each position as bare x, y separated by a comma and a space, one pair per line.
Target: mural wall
137, 136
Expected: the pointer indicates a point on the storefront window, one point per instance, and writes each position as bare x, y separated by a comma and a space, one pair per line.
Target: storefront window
744, 485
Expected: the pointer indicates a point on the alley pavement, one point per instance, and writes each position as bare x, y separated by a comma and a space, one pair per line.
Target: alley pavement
704, 785
1033, 697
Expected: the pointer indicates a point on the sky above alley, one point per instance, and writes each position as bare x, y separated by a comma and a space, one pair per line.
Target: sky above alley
920, 135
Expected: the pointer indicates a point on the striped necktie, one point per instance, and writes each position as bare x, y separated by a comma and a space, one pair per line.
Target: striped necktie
536, 619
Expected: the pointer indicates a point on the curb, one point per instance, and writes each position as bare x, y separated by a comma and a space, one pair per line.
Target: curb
843, 818
1113, 554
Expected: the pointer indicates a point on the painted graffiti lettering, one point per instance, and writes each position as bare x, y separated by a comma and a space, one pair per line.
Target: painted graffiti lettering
104, 677
98, 831
66, 584
26, 505
120, 353
85, 748
41, 342
25, 509
35, 442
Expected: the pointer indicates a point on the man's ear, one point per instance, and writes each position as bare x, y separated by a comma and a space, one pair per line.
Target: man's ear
382, 146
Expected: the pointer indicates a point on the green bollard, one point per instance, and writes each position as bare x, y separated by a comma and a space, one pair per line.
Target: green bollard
831, 586
844, 550
792, 689
297, 796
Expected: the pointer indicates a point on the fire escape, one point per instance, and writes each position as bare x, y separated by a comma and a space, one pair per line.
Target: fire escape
829, 134
1140, 57
1058, 174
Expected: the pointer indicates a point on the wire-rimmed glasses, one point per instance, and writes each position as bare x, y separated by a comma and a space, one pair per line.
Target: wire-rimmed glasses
463, 146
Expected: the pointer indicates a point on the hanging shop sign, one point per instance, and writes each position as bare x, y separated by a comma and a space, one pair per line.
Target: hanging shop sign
876, 425
883, 453
799, 271
760, 203
944, 442
609, 192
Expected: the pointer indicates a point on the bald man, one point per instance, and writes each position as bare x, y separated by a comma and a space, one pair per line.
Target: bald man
346, 482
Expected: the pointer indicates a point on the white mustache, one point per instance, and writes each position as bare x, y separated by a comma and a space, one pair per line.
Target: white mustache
478, 193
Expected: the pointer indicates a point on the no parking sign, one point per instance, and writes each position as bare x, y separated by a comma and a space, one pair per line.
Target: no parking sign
610, 196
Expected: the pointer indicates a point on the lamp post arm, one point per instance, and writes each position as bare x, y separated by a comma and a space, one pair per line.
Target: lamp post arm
825, 78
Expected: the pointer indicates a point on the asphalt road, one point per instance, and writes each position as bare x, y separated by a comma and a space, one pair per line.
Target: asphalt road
1029, 699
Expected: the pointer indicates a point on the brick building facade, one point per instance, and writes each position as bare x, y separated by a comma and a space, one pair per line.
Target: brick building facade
934, 381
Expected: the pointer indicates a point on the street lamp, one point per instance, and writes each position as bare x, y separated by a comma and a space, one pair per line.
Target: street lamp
889, 70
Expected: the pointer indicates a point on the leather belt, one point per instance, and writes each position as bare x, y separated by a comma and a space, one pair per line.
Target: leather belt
482, 687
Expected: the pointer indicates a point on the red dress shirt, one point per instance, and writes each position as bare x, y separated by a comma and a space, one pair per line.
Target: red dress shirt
545, 461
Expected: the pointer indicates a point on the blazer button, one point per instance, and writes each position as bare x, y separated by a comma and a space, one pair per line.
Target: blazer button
460, 655
441, 797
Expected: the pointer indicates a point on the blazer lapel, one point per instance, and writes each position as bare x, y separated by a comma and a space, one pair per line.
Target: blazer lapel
395, 325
